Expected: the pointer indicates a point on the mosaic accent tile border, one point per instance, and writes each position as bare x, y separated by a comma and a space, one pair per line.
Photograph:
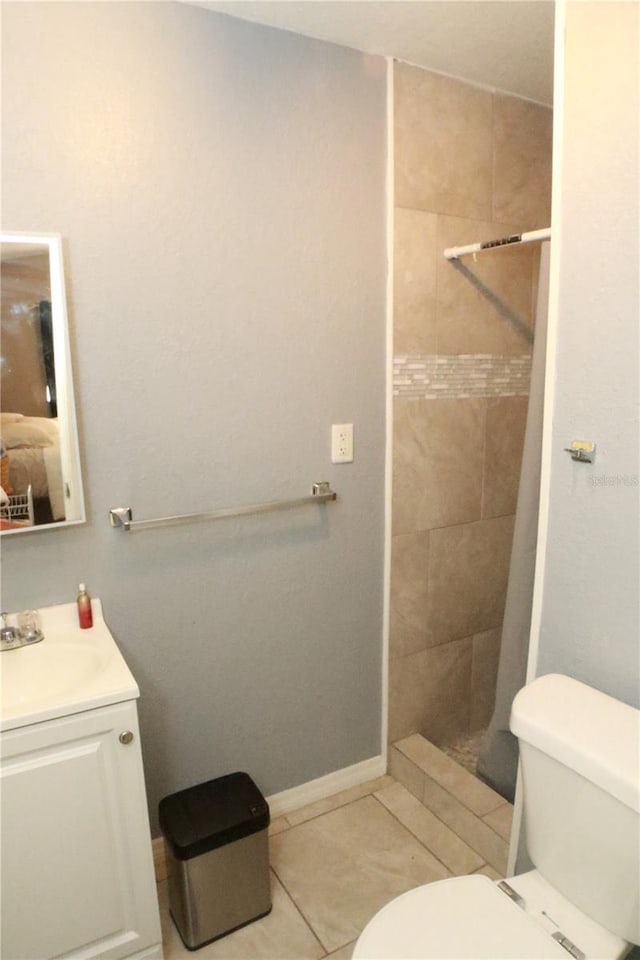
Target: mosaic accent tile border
433, 377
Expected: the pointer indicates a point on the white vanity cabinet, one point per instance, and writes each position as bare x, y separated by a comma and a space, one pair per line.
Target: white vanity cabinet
77, 869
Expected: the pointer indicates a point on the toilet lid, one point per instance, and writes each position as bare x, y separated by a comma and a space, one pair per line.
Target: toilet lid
458, 918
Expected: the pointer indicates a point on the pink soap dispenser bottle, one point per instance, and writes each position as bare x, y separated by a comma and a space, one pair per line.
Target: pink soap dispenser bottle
85, 616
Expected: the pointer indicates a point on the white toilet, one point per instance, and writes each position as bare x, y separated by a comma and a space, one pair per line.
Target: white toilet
579, 754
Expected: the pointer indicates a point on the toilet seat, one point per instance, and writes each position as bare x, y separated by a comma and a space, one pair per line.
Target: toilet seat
458, 918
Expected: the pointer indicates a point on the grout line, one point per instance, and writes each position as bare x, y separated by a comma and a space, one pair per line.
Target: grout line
316, 817
475, 815
284, 830
493, 156
323, 813
484, 458
306, 922
468, 842
433, 812
409, 830
498, 516
446, 789
436, 285
451, 794
465, 523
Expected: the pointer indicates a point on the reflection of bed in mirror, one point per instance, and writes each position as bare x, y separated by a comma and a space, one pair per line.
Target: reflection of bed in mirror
32, 448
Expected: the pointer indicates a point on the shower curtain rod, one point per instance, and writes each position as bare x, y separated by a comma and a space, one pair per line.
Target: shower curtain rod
452, 253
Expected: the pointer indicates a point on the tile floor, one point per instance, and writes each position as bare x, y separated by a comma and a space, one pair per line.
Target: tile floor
334, 863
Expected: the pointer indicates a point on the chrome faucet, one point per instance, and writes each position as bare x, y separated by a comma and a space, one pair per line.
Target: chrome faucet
8, 635
11, 638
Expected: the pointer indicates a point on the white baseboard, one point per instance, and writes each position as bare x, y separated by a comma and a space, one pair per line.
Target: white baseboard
296, 797
150, 953
331, 783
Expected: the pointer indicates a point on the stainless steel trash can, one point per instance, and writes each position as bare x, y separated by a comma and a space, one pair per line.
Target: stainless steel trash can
217, 857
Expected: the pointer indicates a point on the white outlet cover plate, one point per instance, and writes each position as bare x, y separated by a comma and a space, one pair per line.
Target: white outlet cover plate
342, 443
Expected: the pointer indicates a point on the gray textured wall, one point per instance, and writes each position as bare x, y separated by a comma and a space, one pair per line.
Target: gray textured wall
590, 622
220, 190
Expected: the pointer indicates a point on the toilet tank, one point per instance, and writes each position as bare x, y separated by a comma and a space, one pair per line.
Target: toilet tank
580, 758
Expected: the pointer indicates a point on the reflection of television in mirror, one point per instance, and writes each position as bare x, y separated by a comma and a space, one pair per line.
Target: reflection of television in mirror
27, 373
46, 341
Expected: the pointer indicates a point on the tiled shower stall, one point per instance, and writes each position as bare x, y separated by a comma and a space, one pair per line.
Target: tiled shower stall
471, 164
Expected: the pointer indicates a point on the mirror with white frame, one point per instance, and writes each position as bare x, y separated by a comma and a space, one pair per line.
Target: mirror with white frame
40, 483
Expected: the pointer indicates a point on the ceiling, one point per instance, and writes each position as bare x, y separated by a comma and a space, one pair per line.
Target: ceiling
506, 44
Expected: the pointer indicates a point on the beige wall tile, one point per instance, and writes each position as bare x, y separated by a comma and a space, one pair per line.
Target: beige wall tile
406, 772
443, 144
504, 440
430, 691
448, 691
437, 463
405, 638
470, 828
456, 855
468, 573
409, 566
483, 306
484, 673
407, 680
466, 788
341, 868
500, 820
522, 162
481, 163
414, 282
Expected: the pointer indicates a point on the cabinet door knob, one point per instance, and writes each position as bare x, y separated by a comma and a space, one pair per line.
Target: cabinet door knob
126, 736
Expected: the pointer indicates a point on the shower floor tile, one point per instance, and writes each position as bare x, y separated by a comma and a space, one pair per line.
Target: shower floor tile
335, 863
465, 750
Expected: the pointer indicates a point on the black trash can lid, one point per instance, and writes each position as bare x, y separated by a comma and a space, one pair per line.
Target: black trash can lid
212, 814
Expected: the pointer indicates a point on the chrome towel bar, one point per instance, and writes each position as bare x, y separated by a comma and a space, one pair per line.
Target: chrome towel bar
123, 517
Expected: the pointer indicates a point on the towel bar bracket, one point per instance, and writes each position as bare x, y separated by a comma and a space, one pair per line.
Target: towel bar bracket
120, 517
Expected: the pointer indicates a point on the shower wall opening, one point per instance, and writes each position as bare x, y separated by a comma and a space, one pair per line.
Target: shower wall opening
470, 165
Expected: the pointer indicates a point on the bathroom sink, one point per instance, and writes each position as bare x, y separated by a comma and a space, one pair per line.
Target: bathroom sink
52, 672
71, 670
